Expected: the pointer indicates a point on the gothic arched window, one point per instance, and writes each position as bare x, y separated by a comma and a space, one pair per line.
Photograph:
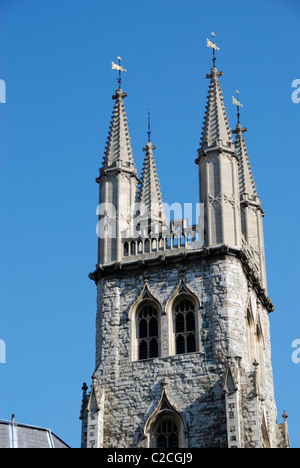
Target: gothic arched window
167, 434
185, 327
126, 249
147, 246
132, 248
147, 332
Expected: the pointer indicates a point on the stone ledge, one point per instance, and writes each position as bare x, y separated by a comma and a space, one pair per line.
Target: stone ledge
129, 268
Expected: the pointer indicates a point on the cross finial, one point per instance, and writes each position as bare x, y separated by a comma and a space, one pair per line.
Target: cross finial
84, 388
149, 126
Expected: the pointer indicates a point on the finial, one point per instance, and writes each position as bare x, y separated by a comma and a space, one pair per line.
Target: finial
146, 278
236, 101
285, 416
149, 127
84, 388
213, 45
114, 66
164, 383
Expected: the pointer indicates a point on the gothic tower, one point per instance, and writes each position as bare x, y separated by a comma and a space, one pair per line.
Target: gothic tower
183, 354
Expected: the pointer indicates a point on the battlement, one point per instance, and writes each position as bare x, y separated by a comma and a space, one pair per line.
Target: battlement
150, 242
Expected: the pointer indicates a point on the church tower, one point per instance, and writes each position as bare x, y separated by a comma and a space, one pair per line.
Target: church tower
183, 352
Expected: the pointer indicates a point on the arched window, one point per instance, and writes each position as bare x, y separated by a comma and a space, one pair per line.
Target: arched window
190, 238
167, 434
147, 246
126, 249
185, 327
148, 332
166, 427
140, 247
132, 248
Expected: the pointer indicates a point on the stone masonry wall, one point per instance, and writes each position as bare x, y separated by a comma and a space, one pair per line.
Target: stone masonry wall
195, 380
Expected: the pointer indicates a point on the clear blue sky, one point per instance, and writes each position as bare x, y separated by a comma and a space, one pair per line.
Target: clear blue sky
55, 57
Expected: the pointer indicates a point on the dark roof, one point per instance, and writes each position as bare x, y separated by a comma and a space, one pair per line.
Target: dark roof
16, 435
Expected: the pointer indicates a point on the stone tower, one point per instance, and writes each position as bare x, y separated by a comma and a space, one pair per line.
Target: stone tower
183, 354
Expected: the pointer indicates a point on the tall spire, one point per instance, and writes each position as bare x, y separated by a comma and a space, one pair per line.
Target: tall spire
118, 145
216, 130
251, 208
218, 170
118, 182
246, 179
150, 193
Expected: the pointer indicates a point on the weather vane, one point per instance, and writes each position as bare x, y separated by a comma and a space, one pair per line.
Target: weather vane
213, 45
149, 128
237, 102
114, 66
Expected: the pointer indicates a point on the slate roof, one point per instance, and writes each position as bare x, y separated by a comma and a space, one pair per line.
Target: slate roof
16, 435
